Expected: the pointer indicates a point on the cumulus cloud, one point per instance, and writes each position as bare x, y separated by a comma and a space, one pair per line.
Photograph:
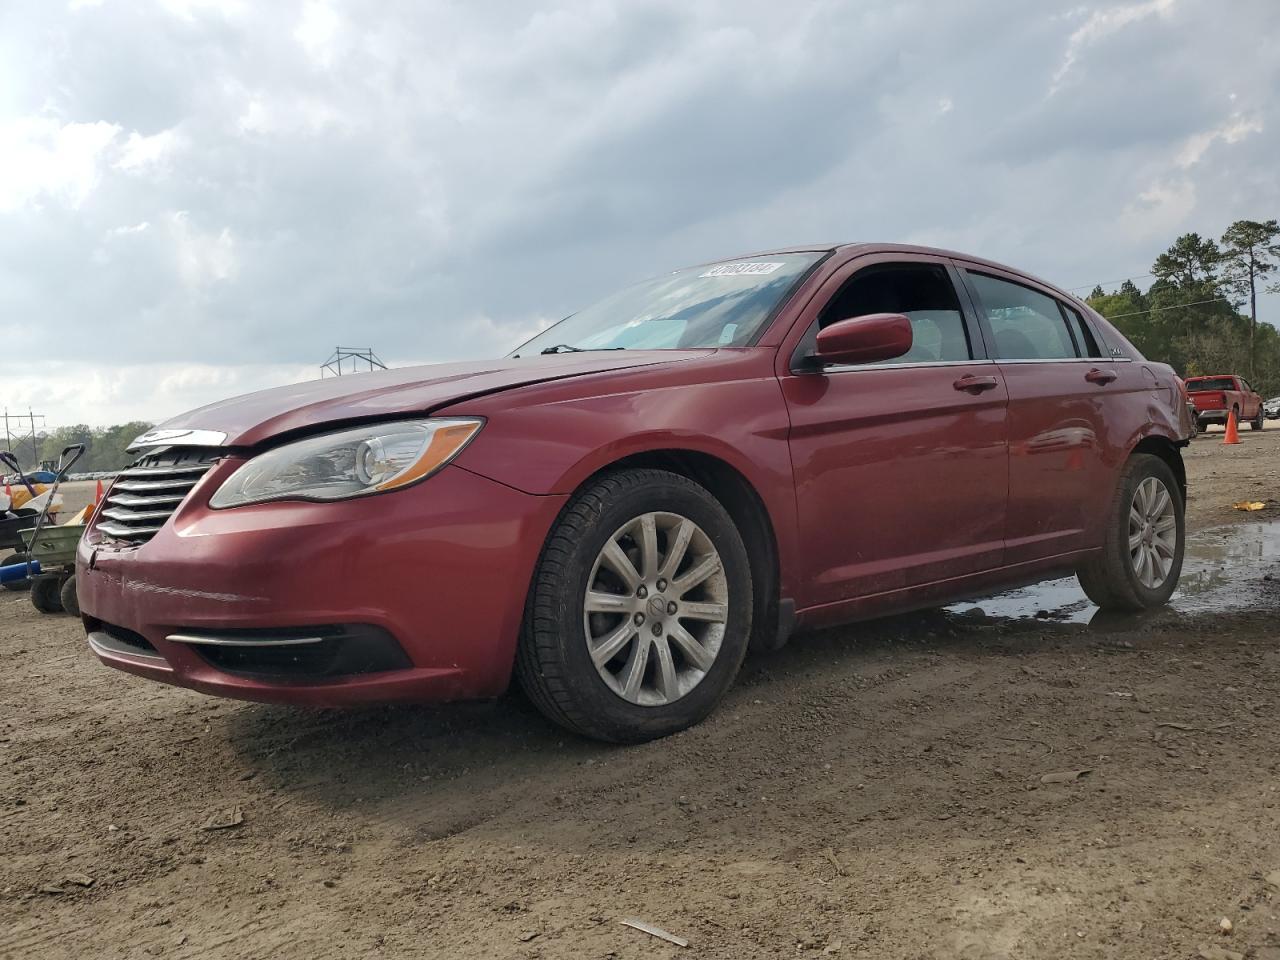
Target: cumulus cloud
203, 257
222, 186
42, 159
1233, 130
147, 154
1101, 23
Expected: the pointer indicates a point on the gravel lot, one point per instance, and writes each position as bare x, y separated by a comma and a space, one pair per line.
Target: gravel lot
876, 791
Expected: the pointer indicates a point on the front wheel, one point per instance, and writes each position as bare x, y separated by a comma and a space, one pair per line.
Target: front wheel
1258, 422
1140, 562
640, 609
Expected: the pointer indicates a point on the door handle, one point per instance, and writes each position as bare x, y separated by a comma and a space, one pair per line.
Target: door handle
976, 384
1100, 376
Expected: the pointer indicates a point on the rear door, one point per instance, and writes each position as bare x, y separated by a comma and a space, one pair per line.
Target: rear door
901, 467
1060, 390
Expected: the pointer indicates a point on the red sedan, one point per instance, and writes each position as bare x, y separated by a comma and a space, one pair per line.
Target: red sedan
697, 465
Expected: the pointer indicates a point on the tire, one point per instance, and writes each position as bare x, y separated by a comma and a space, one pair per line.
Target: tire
1113, 578
1258, 422
554, 660
69, 598
17, 586
44, 595
1201, 426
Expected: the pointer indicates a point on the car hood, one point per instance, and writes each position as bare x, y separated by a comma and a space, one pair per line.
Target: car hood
255, 417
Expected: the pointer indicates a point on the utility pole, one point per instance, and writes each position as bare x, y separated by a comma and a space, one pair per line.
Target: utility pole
35, 449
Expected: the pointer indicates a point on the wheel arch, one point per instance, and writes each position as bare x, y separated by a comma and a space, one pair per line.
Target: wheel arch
1170, 452
771, 618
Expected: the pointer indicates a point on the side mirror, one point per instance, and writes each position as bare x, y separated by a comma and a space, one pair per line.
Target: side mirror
866, 339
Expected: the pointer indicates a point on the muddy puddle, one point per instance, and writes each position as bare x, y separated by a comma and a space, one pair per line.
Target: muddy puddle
1222, 571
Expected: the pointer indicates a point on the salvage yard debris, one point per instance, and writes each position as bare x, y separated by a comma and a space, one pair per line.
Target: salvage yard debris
63, 885
1065, 776
655, 932
1251, 505
224, 819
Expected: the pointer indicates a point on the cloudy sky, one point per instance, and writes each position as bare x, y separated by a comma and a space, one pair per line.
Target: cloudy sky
203, 197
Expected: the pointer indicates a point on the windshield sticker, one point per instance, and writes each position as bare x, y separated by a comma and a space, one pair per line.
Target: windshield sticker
743, 269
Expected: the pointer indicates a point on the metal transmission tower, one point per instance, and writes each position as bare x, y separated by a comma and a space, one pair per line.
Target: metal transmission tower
351, 360
30, 432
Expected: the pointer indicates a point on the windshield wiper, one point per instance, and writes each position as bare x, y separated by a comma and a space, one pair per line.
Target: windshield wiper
569, 348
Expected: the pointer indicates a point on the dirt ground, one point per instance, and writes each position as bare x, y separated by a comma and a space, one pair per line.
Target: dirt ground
876, 791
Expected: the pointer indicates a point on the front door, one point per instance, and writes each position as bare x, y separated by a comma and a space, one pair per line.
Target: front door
901, 467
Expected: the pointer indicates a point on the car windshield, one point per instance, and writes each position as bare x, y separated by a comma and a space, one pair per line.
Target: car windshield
714, 305
1211, 383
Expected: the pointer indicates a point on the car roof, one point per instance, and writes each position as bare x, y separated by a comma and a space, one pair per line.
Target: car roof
860, 248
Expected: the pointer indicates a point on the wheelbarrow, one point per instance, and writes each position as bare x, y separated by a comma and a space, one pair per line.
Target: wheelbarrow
11, 525
51, 550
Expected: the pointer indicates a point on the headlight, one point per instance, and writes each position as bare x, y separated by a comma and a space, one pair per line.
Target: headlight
353, 463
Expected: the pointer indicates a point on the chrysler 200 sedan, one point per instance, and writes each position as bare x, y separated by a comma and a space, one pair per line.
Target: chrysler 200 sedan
615, 513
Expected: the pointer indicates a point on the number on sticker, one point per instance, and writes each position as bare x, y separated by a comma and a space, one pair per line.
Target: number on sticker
744, 269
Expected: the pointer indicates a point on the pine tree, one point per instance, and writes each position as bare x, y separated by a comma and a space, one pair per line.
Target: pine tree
1250, 251
1190, 262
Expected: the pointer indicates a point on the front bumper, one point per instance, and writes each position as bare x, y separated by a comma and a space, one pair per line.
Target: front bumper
441, 568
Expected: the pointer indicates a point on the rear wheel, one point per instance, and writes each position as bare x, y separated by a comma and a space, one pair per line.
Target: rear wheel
18, 586
44, 595
1139, 565
640, 609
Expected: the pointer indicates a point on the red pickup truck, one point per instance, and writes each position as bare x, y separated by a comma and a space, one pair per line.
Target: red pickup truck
1215, 397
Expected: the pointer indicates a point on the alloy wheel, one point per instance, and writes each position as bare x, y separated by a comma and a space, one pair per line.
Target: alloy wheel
655, 609
1153, 533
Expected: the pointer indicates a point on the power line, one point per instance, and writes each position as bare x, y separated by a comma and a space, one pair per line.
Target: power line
1196, 303
1104, 283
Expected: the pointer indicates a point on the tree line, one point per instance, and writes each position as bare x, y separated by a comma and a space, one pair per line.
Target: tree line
1200, 314
104, 447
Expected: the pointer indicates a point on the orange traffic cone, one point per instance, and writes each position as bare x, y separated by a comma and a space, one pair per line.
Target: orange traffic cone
97, 496
1233, 430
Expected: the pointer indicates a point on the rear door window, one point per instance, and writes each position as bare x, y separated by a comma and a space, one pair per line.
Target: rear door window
1026, 324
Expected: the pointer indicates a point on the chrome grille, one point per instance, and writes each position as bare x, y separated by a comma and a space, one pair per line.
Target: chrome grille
146, 495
